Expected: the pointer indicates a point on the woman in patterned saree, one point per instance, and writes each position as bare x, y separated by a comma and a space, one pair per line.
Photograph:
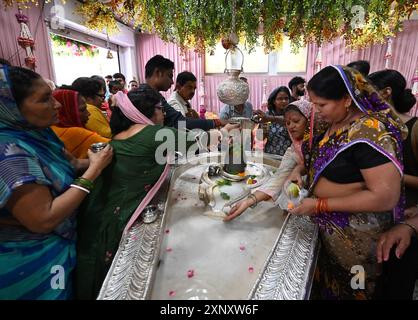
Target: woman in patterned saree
38, 193
354, 169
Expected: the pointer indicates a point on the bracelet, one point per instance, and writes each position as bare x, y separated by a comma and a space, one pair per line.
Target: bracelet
321, 206
253, 197
80, 188
83, 182
217, 123
411, 226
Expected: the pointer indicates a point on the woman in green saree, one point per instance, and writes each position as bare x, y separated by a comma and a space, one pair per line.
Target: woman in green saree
132, 178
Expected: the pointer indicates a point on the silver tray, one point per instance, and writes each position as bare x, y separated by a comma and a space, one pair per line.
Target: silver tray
144, 269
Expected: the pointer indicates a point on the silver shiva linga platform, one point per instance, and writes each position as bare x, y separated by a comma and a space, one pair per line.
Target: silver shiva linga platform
181, 248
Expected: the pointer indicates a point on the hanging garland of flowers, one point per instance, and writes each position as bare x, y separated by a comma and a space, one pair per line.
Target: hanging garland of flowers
200, 24
22, 3
66, 47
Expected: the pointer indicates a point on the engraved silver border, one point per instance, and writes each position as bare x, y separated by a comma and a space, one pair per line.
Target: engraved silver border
288, 271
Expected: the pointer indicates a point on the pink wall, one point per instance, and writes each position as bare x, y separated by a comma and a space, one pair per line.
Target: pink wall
10, 30
404, 48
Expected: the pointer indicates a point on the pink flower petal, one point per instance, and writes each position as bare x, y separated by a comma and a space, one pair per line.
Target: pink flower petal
168, 249
172, 293
242, 247
190, 274
250, 269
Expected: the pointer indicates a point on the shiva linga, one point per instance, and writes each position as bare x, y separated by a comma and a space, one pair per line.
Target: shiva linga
223, 184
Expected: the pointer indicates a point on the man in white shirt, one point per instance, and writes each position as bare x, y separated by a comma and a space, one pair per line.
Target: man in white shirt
184, 91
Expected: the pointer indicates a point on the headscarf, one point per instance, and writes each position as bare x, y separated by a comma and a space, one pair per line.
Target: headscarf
305, 108
68, 114
382, 130
136, 116
27, 154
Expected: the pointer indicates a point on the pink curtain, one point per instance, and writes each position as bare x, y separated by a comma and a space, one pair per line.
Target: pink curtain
404, 59
404, 54
149, 45
10, 31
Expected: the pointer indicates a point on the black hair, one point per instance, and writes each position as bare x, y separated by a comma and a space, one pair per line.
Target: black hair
292, 107
185, 76
87, 87
402, 98
114, 83
328, 84
144, 99
21, 83
119, 75
5, 62
101, 80
361, 65
157, 62
272, 97
109, 77
66, 87
295, 81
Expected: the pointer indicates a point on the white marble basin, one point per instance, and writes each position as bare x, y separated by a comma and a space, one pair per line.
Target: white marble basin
203, 257
188, 252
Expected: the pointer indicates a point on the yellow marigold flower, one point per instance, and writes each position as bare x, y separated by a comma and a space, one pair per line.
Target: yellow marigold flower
372, 123
323, 141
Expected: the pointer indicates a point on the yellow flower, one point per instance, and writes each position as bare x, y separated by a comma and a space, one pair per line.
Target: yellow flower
338, 132
372, 123
361, 83
323, 141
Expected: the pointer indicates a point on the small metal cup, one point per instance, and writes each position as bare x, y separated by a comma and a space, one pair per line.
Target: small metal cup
96, 147
150, 213
214, 170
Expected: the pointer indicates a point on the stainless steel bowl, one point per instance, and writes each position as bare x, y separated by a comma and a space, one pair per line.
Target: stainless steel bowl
96, 147
150, 213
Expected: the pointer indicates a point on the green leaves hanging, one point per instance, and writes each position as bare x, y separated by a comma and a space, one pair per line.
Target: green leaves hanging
200, 24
